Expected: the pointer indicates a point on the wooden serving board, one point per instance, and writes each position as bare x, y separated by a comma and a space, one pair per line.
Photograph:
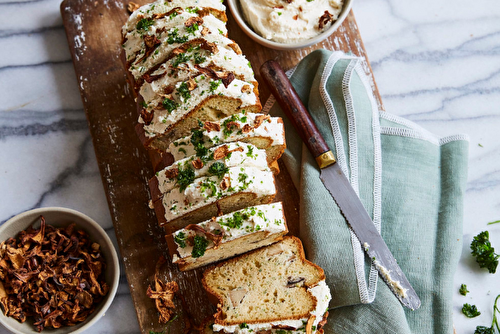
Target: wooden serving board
93, 30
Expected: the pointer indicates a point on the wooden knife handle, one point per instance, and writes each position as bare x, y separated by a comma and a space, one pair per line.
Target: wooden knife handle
291, 104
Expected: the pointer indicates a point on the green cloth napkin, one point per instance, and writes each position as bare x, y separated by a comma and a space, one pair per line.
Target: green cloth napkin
411, 183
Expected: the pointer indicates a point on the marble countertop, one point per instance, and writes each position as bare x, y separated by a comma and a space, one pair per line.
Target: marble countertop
436, 63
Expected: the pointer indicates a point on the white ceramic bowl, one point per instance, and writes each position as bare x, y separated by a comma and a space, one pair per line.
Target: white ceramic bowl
61, 217
234, 6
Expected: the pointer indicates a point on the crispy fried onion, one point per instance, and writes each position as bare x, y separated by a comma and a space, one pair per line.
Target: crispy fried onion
216, 238
54, 275
225, 76
211, 126
132, 7
163, 294
147, 116
324, 20
323, 321
260, 119
222, 151
310, 323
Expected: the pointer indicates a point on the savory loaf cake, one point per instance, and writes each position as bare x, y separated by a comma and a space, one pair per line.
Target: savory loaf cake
214, 161
223, 237
208, 196
184, 69
261, 130
269, 290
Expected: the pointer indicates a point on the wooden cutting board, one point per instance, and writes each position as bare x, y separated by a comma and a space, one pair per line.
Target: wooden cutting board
93, 30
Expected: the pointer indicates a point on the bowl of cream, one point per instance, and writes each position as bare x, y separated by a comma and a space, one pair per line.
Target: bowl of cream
289, 24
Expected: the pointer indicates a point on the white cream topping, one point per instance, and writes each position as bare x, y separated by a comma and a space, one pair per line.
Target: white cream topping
164, 6
271, 128
323, 296
249, 157
284, 22
393, 284
205, 87
266, 217
206, 190
217, 32
224, 58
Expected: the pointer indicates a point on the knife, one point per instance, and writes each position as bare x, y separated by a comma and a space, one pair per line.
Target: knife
339, 186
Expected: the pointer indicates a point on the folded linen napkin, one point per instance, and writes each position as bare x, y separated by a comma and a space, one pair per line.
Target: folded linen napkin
411, 183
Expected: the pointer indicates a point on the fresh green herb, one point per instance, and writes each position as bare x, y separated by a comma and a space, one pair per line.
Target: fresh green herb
169, 105
495, 222
182, 150
470, 311
310, 0
221, 32
463, 290
173, 37
185, 177
174, 14
144, 104
250, 151
183, 91
494, 323
209, 184
198, 59
192, 29
198, 143
479, 144
181, 58
279, 13
244, 325
214, 85
180, 239
200, 244
143, 25
192, 10
236, 220
484, 252
218, 169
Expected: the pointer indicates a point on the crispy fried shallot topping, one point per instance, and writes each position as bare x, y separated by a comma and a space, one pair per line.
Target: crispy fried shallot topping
260, 119
172, 173
132, 7
246, 89
147, 116
221, 152
197, 164
211, 126
235, 47
54, 275
163, 294
324, 20
310, 323
192, 20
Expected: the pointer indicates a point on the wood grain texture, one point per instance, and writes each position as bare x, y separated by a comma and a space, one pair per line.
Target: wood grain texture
93, 30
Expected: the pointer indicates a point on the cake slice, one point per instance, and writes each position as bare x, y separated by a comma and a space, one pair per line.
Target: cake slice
270, 290
206, 162
261, 130
210, 196
223, 237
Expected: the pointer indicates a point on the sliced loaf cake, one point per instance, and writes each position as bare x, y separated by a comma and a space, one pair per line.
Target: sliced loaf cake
223, 237
184, 69
206, 162
210, 196
261, 130
269, 290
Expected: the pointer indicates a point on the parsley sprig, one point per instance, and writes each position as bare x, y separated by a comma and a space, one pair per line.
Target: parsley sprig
484, 252
463, 290
494, 323
470, 311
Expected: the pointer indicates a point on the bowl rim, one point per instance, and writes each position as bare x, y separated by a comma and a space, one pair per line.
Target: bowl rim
116, 273
234, 7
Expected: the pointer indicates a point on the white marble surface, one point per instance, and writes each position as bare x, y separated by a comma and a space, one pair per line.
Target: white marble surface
436, 63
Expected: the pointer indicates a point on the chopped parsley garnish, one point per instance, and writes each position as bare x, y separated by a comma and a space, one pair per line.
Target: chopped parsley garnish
209, 184
192, 29
495, 222
198, 59
463, 290
198, 143
494, 323
173, 37
484, 252
244, 325
143, 25
250, 151
169, 105
185, 177
193, 10
214, 85
236, 220
200, 245
218, 169
279, 13
180, 239
144, 104
181, 58
183, 91
470, 311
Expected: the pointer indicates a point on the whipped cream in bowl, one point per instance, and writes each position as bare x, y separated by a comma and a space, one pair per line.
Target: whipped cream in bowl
289, 24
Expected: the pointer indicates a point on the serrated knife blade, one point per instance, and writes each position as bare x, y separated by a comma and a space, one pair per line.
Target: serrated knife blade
339, 186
